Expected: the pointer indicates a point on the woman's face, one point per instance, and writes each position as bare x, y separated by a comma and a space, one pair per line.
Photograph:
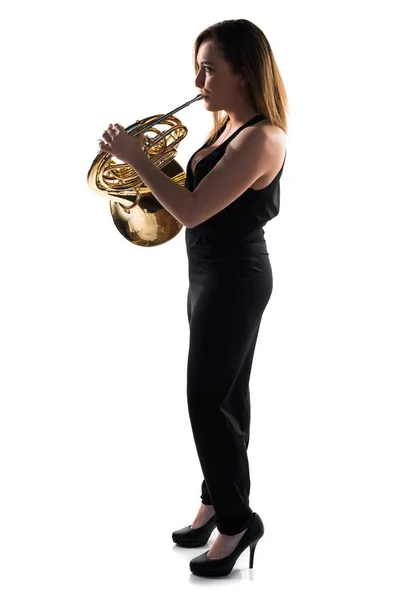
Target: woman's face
215, 79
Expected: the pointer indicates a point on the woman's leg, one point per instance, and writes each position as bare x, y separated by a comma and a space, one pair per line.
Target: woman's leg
205, 494
223, 333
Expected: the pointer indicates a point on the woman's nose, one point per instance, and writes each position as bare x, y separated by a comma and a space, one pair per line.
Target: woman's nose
199, 81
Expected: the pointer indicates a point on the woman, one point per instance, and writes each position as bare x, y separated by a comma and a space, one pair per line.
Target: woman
230, 281
231, 191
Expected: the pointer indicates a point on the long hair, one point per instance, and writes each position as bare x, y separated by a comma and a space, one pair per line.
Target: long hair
245, 47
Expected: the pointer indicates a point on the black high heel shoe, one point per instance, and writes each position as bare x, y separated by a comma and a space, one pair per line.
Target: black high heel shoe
213, 567
191, 538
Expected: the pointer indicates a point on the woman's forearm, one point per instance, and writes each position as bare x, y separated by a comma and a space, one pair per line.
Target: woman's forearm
176, 199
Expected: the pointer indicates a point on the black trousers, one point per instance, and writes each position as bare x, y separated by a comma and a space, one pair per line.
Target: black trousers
228, 292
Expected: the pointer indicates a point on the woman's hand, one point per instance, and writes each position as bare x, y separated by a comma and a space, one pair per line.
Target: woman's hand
121, 144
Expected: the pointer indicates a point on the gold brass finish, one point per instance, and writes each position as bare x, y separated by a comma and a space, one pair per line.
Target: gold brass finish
136, 213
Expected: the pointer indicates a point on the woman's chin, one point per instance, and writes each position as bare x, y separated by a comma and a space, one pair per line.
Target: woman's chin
208, 104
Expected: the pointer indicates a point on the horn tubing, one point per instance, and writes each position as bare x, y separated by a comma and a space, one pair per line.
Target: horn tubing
149, 125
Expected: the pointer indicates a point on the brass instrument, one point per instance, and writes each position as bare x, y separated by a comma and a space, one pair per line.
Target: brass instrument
137, 214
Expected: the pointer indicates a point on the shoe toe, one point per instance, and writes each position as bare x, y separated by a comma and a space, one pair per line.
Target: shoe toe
199, 560
181, 532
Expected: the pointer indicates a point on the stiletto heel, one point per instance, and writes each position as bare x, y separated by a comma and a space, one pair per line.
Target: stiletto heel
213, 567
252, 550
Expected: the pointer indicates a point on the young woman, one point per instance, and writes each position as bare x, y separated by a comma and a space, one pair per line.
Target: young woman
231, 191
235, 179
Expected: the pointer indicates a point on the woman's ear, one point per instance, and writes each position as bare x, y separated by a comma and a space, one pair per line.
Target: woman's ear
243, 77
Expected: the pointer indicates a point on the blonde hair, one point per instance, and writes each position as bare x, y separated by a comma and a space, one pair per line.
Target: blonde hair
245, 47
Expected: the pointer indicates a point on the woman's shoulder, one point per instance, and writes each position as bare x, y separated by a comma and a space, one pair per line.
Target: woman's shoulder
272, 130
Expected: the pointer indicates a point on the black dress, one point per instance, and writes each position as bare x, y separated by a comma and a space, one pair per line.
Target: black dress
230, 283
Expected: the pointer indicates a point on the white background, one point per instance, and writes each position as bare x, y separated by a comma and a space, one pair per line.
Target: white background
98, 464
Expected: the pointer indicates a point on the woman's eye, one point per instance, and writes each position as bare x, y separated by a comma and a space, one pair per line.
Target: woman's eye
210, 69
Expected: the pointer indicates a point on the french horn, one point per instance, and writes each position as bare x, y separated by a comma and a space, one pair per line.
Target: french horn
136, 213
